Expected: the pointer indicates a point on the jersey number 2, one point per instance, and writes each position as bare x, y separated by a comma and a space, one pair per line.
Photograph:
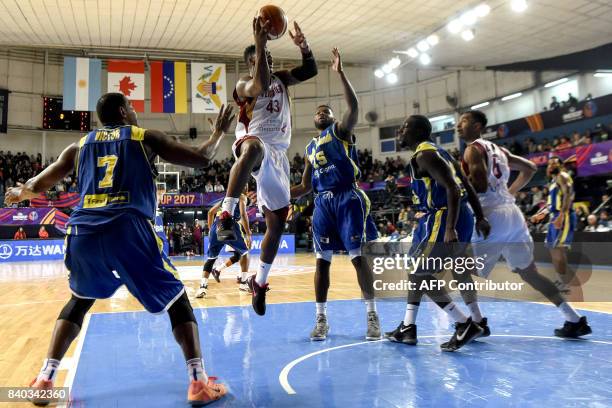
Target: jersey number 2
273, 106
109, 162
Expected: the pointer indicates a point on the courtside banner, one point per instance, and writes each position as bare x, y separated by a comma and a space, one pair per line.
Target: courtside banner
287, 245
32, 250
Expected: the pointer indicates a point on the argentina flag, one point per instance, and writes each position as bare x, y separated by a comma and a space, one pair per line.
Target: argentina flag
82, 85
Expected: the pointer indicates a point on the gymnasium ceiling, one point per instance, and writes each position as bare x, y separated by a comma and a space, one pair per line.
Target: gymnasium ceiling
366, 31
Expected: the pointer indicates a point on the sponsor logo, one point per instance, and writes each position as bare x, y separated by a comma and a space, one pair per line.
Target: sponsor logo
33, 216
5, 251
599, 159
572, 114
20, 217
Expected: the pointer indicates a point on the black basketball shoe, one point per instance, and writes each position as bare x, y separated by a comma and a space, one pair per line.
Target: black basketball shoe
464, 333
216, 274
259, 295
574, 330
403, 334
486, 331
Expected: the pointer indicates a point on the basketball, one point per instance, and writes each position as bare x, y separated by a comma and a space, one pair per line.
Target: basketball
277, 18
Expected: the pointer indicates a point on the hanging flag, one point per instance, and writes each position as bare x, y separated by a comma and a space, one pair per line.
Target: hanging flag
82, 83
127, 77
208, 91
168, 87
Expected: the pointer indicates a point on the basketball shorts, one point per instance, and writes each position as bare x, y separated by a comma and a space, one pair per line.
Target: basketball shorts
428, 236
342, 221
215, 246
562, 237
124, 252
509, 237
272, 176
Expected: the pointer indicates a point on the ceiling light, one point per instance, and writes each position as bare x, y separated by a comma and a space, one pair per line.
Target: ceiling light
395, 62
392, 78
480, 105
482, 10
433, 40
467, 35
519, 5
454, 26
379, 73
513, 96
423, 46
468, 18
425, 59
437, 118
603, 74
412, 53
555, 83
387, 68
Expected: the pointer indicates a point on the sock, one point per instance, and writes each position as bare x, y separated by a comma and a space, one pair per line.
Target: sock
410, 314
229, 204
203, 282
569, 312
321, 308
370, 305
262, 273
243, 275
195, 370
222, 267
475, 312
455, 313
49, 369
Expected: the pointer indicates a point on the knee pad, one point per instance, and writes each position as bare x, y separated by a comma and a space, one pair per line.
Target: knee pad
209, 264
325, 255
75, 310
354, 253
181, 312
235, 257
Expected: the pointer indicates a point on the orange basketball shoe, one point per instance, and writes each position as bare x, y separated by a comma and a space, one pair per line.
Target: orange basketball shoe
201, 393
41, 385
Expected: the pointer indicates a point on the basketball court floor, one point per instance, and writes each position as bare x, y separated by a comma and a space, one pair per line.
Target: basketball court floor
126, 357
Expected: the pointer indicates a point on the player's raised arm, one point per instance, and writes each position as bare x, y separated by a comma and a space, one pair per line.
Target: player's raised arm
308, 69
46, 179
430, 162
475, 166
305, 186
175, 152
211, 214
350, 117
248, 87
526, 169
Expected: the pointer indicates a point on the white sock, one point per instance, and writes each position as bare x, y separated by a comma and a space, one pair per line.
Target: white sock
49, 369
321, 308
222, 268
204, 282
455, 313
411, 314
229, 204
262, 273
370, 305
475, 312
195, 370
569, 312
243, 275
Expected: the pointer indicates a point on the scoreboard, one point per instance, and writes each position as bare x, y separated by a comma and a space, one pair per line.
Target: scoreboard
3, 109
56, 118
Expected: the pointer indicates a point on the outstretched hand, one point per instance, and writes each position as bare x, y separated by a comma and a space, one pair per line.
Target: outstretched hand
336, 60
223, 121
18, 194
298, 37
260, 31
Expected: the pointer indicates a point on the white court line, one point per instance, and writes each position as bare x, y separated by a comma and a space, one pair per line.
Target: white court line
284, 374
75, 358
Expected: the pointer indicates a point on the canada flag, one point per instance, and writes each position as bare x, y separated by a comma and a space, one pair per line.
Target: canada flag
127, 77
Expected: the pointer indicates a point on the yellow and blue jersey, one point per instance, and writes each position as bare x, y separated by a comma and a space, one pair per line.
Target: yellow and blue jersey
115, 177
428, 195
555, 196
334, 162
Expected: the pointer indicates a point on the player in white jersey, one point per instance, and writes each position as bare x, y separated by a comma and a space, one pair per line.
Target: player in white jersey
263, 136
488, 168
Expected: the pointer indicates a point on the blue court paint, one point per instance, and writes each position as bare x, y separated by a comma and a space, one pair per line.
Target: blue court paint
131, 360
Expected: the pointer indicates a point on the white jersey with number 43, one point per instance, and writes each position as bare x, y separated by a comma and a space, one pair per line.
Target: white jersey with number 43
267, 116
498, 173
